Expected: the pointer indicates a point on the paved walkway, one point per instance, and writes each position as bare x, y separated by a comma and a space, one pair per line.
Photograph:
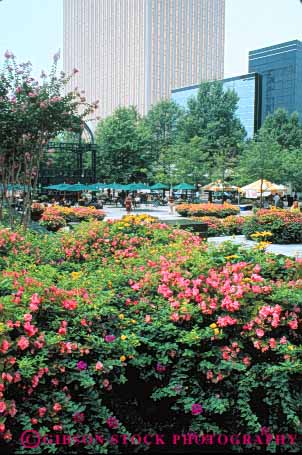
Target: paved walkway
162, 213
294, 250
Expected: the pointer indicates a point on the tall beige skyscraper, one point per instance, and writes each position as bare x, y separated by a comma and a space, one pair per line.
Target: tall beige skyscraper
133, 52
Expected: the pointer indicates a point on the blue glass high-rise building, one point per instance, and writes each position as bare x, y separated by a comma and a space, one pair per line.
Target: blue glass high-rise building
248, 89
281, 69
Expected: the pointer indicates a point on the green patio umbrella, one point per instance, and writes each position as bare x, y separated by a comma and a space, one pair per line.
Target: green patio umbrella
96, 186
58, 187
137, 187
77, 187
159, 186
115, 186
184, 186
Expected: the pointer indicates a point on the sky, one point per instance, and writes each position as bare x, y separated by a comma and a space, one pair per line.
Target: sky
32, 29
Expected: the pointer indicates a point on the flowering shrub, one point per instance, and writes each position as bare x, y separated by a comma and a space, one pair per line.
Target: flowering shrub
76, 213
217, 210
285, 226
231, 225
52, 220
104, 331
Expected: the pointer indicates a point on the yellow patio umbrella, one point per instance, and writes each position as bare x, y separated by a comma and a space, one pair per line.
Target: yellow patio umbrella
267, 187
219, 186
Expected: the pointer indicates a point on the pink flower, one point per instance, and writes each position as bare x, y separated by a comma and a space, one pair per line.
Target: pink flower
70, 304
2, 406
27, 317
196, 409
23, 343
259, 333
148, 318
293, 324
57, 407
78, 417
81, 365
99, 366
109, 338
42, 412
57, 427
35, 301
283, 340
112, 422
246, 360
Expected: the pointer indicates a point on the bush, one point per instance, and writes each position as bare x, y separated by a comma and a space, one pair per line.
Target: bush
231, 225
52, 220
74, 214
216, 210
132, 327
285, 226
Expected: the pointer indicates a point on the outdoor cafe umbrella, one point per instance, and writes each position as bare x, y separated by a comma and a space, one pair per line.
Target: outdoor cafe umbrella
218, 186
159, 186
77, 187
267, 187
137, 187
184, 186
96, 186
115, 186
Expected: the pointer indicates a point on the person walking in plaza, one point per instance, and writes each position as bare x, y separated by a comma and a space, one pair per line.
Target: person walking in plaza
128, 204
171, 204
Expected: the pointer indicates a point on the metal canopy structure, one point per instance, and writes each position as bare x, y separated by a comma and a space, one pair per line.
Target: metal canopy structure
81, 152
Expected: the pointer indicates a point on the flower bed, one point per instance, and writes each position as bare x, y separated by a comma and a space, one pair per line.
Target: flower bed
131, 327
216, 210
231, 225
285, 226
52, 216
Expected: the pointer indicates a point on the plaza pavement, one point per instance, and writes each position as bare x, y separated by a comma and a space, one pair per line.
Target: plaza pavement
116, 213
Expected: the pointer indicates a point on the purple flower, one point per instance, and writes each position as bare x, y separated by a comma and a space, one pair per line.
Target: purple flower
109, 338
81, 365
160, 368
112, 422
8, 55
196, 409
78, 417
57, 56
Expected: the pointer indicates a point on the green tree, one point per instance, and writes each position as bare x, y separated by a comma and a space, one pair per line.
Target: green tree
31, 115
212, 116
283, 128
124, 147
162, 121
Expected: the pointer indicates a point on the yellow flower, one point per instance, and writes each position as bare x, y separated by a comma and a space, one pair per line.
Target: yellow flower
232, 256
133, 321
290, 347
122, 358
213, 325
2, 327
123, 337
75, 275
121, 316
216, 331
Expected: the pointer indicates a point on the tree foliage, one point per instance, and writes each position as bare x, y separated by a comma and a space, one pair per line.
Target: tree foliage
31, 114
124, 147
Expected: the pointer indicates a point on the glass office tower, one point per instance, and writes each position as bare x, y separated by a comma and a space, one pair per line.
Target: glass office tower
281, 70
248, 89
